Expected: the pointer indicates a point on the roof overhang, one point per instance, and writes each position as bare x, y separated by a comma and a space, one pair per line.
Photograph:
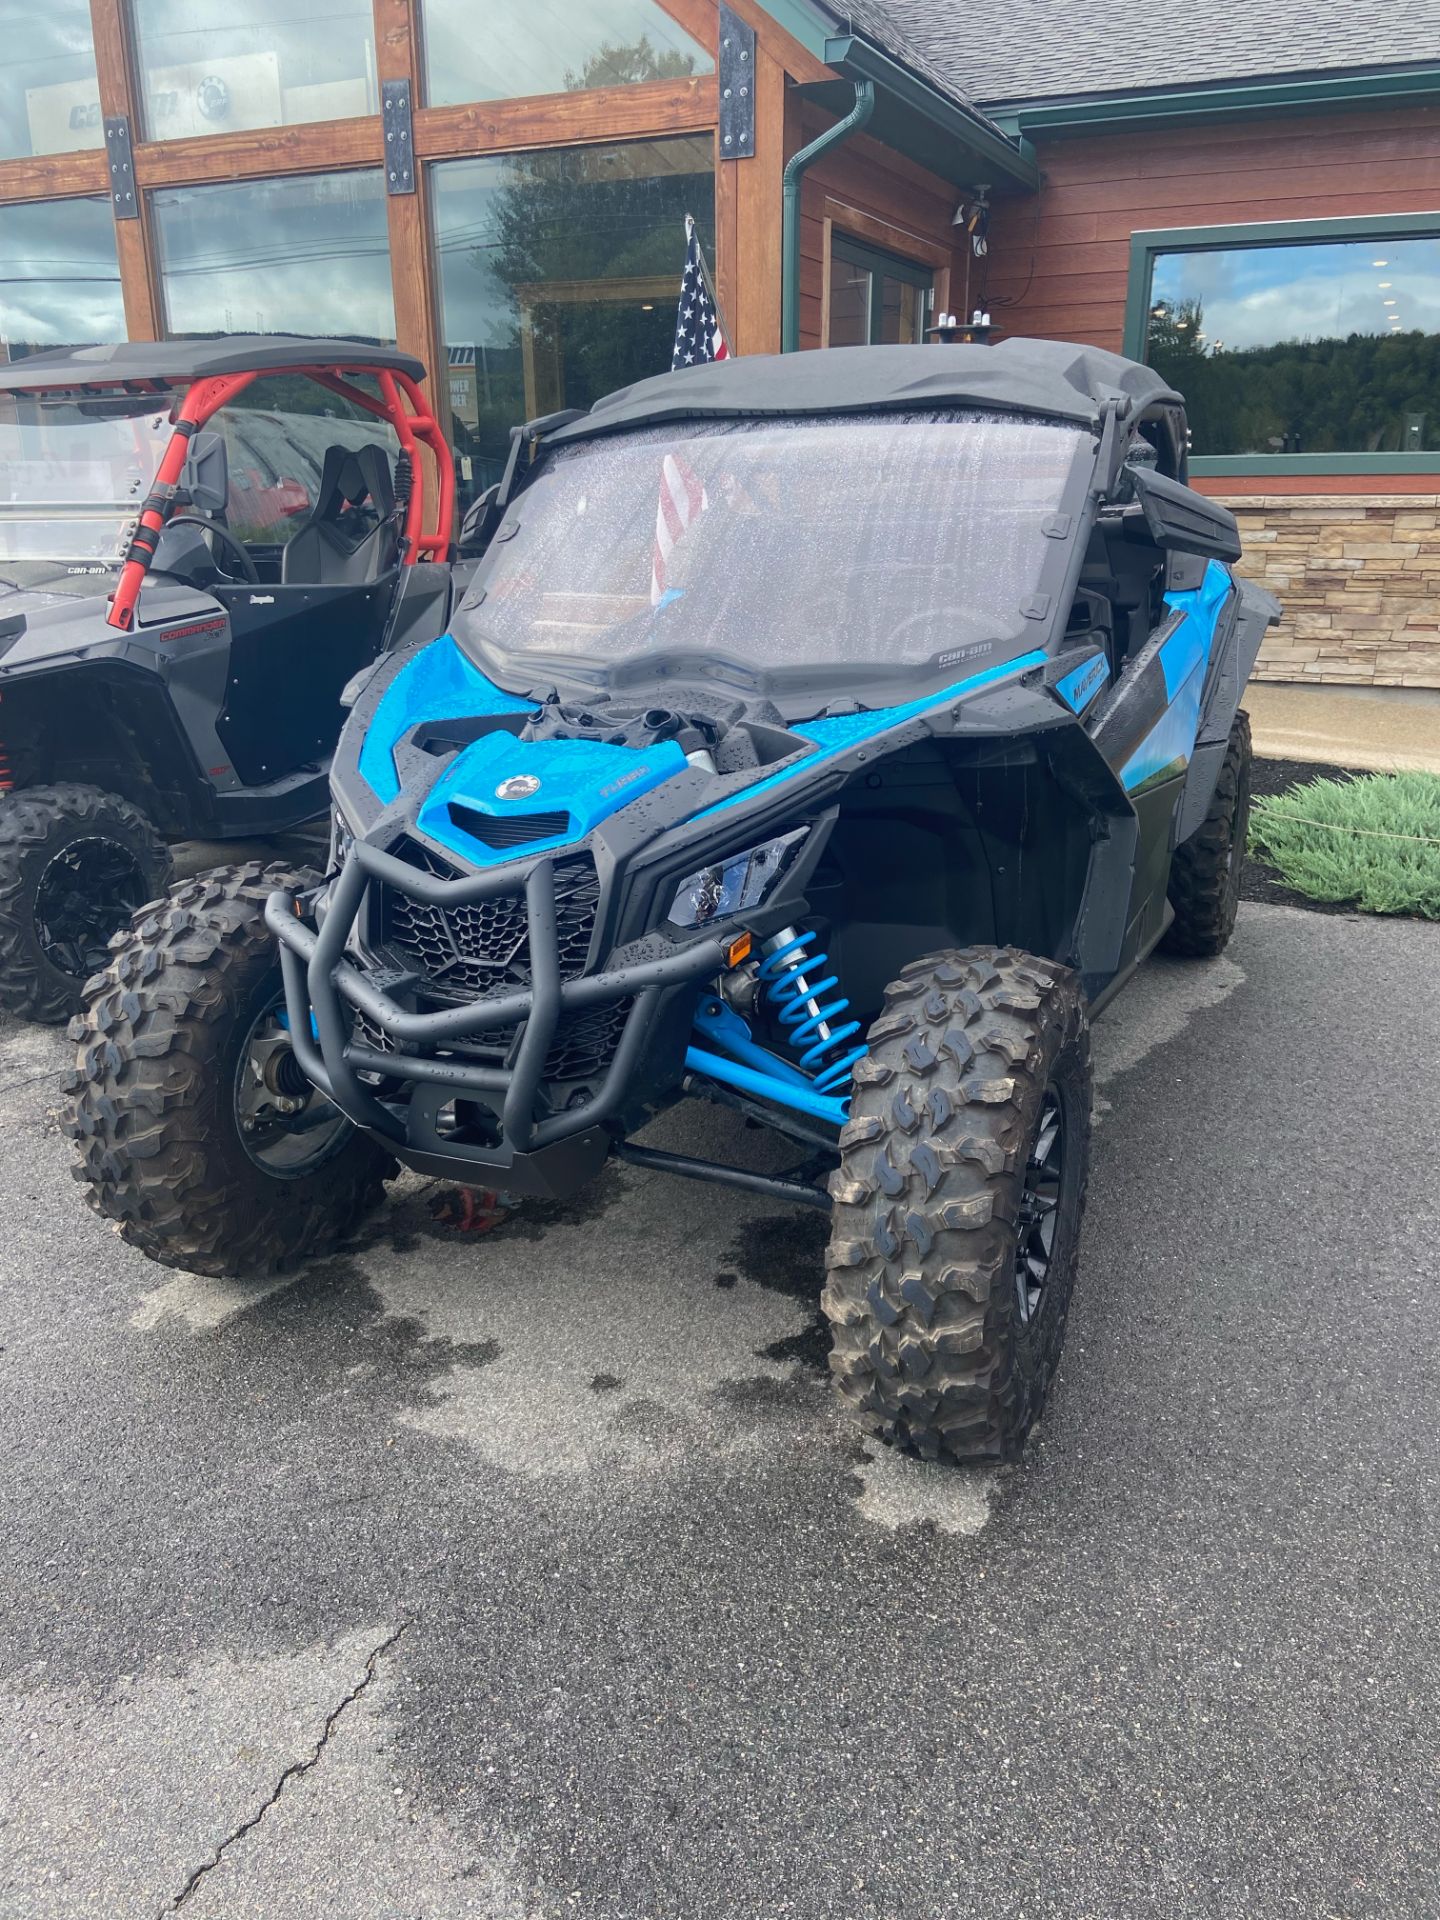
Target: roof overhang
1266, 95
911, 117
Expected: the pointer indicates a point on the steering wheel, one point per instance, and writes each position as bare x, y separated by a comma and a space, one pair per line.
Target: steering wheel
226, 539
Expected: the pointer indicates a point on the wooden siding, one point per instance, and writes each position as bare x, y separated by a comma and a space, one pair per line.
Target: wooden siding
1059, 264
878, 196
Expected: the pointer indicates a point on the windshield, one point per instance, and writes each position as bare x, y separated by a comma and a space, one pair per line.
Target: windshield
73, 473
837, 547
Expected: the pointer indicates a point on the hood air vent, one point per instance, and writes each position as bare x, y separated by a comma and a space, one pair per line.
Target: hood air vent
499, 831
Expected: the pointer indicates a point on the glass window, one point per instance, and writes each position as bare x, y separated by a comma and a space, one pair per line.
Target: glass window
59, 285
559, 275
214, 66
508, 48
277, 434
49, 98
875, 297
809, 543
308, 254
1305, 347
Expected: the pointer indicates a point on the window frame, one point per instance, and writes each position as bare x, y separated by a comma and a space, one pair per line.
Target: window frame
1147, 243
878, 262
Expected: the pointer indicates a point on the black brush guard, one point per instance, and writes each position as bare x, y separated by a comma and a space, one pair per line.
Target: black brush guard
537, 1153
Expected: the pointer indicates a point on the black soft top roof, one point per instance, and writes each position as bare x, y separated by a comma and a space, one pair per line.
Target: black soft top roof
1047, 377
175, 362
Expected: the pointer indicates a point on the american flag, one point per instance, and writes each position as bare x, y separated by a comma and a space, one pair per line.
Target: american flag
699, 336
682, 499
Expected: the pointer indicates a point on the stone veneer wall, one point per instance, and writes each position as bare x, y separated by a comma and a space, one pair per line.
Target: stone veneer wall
1359, 578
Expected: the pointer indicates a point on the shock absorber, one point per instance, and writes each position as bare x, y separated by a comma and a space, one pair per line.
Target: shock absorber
795, 982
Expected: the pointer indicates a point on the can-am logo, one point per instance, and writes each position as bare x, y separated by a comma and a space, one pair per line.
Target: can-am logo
519, 786
957, 654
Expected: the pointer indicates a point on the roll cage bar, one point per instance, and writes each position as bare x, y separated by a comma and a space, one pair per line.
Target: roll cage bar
429, 514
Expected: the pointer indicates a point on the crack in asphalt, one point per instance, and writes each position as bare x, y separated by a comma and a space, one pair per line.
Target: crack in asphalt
29, 1080
294, 1771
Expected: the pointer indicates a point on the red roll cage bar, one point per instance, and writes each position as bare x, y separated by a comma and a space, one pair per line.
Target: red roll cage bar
424, 536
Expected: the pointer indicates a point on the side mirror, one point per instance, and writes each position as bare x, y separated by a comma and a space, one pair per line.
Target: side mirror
481, 519
205, 477
1181, 520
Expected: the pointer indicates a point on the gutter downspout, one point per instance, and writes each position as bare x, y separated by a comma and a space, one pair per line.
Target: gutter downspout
795, 169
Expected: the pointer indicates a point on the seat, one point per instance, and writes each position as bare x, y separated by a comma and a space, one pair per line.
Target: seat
350, 537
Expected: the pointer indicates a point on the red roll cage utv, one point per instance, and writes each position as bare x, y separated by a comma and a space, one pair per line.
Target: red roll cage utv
201, 542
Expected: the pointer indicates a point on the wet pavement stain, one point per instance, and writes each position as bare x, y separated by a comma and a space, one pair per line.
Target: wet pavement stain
809, 1348
784, 1253
452, 1215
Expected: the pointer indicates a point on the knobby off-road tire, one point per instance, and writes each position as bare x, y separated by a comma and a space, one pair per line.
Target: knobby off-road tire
1205, 870
62, 841
153, 1102
939, 1345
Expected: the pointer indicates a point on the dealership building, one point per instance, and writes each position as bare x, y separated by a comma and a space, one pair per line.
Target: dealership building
1249, 198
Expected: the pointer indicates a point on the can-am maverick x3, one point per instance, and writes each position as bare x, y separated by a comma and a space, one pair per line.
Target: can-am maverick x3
828, 736
200, 542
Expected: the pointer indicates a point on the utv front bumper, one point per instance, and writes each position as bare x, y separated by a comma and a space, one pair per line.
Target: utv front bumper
358, 1043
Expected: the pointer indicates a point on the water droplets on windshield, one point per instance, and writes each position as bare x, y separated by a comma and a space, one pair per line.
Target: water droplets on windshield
781, 544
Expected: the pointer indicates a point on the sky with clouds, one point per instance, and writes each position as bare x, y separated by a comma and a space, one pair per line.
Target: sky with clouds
1261, 296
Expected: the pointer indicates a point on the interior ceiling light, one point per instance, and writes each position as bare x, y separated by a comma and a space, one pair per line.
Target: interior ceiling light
1385, 285
1379, 263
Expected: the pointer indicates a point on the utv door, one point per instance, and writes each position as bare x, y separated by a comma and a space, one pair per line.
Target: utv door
1172, 615
292, 650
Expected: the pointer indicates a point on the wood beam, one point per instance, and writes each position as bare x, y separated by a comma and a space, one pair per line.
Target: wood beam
727, 246
687, 105
783, 47
697, 17
314, 146
756, 189
134, 242
53, 176
412, 250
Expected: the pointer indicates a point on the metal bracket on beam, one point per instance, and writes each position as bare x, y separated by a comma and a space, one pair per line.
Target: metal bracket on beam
124, 199
737, 87
399, 136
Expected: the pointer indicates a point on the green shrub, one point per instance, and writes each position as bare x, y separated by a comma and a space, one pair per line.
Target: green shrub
1373, 841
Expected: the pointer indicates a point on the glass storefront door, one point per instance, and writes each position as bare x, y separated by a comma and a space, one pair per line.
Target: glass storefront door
875, 297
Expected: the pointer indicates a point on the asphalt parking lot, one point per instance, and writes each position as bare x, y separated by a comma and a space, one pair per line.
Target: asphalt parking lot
536, 1574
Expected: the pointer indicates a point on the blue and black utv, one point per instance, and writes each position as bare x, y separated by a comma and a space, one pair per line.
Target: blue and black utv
827, 736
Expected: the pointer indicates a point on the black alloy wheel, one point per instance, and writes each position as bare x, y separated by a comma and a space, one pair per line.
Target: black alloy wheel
87, 890
1038, 1210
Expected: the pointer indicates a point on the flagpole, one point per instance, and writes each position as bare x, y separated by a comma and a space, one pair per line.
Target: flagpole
709, 283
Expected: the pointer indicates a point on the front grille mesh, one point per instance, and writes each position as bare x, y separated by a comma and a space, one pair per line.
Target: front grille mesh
482, 949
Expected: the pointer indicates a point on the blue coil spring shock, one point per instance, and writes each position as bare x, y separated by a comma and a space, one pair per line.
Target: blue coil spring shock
796, 985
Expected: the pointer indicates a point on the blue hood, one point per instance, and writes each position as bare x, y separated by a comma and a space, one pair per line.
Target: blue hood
583, 780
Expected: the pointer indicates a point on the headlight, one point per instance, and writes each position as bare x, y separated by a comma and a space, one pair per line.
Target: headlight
734, 884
